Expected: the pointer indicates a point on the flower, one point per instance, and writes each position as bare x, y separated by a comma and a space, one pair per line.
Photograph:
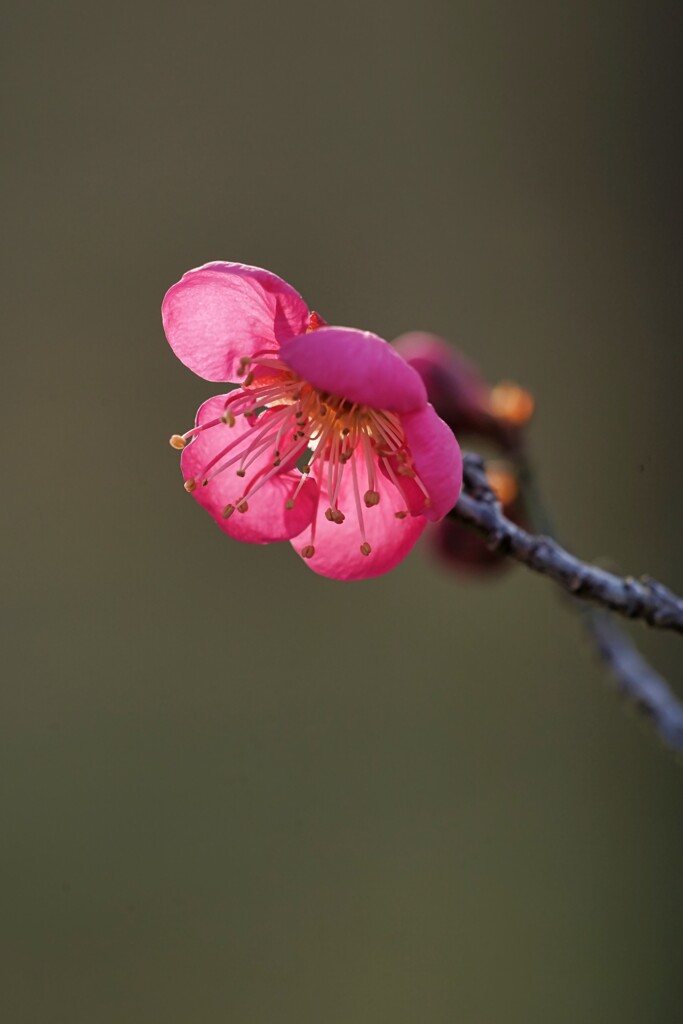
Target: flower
462, 397
329, 441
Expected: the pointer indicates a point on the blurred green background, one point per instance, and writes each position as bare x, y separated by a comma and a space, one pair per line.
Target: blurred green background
231, 790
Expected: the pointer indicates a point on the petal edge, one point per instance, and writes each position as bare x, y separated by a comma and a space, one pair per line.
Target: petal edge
220, 312
356, 365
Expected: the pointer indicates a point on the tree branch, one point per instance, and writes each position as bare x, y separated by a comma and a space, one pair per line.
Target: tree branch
636, 599
636, 679
647, 599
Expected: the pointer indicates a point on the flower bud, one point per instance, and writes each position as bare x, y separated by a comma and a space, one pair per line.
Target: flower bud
463, 550
461, 396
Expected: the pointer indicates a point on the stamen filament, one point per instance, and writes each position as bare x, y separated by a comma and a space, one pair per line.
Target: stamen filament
253, 487
287, 418
359, 508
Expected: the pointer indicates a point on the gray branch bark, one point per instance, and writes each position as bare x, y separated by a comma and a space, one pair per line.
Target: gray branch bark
644, 599
636, 680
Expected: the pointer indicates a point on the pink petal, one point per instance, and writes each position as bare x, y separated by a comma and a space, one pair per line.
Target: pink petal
436, 458
266, 519
337, 547
356, 365
222, 311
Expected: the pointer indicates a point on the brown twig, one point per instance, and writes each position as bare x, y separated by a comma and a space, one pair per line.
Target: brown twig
636, 599
647, 599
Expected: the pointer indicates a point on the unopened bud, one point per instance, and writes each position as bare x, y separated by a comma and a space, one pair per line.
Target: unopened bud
511, 403
503, 482
315, 321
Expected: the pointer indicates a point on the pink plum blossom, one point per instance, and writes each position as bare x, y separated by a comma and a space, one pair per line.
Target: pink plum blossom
329, 440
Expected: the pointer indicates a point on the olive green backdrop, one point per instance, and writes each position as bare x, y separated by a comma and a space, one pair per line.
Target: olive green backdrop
231, 790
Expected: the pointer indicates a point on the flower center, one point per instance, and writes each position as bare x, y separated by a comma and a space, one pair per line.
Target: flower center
293, 424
